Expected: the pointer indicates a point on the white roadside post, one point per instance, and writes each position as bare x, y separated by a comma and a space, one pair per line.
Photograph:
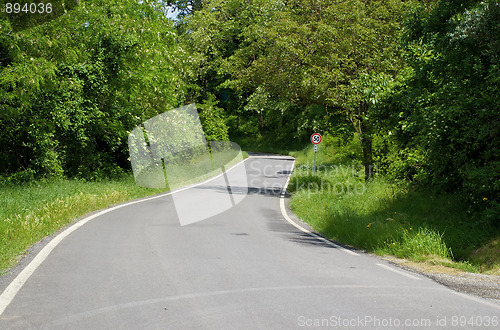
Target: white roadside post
315, 139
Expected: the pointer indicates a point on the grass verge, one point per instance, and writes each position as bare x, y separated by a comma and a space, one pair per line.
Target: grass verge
32, 211
389, 219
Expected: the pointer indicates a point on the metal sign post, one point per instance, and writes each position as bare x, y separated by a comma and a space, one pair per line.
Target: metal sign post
315, 139
315, 150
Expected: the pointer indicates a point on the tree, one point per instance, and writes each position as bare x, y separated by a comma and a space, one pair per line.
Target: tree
209, 36
72, 88
447, 106
214, 38
333, 54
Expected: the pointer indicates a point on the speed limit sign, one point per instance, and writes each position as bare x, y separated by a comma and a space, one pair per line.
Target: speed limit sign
316, 138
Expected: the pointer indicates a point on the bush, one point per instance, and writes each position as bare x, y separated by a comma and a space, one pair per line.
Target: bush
212, 120
19, 177
441, 120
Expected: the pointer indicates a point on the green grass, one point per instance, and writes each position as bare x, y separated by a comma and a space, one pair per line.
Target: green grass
32, 211
385, 218
488, 257
331, 151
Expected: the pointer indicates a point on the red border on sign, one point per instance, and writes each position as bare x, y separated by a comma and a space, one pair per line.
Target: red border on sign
320, 138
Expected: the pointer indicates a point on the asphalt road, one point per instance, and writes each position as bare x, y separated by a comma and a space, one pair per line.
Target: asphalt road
136, 267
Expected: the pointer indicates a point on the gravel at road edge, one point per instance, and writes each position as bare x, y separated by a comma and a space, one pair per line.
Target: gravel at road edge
480, 285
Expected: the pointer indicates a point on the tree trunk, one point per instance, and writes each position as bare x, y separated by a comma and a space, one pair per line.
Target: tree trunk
365, 137
366, 145
261, 121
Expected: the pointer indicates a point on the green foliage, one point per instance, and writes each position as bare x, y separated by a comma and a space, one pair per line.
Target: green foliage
209, 37
338, 56
294, 68
286, 119
417, 245
73, 87
265, 142
332, 151
184, 7
315, 51
212, 120
443, 114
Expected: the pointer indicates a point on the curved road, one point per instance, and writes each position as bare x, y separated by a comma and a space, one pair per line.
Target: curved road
136, 267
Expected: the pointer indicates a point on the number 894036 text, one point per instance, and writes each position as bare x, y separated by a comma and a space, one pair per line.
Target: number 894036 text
28, 8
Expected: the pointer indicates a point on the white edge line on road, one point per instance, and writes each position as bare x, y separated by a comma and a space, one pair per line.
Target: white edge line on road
308, 232
285, 215
480, 300
398, 271
11, 291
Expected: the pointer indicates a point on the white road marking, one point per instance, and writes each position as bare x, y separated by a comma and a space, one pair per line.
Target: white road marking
477, 299
463, 295
398, 271
308, 232
285, 215
11, 291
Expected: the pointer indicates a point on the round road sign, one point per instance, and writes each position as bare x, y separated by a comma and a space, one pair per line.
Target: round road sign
316, 138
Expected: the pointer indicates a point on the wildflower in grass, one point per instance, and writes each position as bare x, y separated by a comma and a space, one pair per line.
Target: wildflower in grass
369, 225
485, 199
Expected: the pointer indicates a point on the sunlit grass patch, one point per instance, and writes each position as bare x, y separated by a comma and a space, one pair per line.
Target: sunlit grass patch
416, 245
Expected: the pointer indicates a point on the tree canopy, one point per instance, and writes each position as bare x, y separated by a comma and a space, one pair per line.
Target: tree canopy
333, 55
417, 81
444, 112
72, 87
